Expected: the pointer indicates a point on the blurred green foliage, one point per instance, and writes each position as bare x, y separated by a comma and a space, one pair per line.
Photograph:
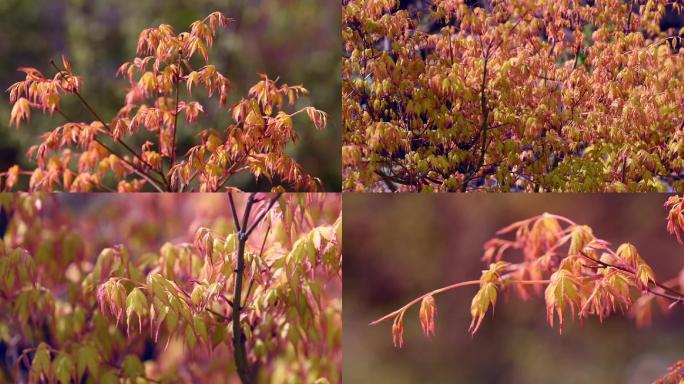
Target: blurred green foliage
296, 40
401, 246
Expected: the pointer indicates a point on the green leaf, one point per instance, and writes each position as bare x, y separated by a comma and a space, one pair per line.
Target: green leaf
64, 368
644, 274
201, 329
562, 291
230, 244
87, 357
169, 253
171, 321
579, 238
484, 297
190, 337
132, 367
41, 361
136, 302
109, 377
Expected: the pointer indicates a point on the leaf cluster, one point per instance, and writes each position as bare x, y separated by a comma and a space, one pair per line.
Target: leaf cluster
85, 156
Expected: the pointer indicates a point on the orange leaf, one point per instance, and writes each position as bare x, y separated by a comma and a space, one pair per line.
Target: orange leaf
20, 111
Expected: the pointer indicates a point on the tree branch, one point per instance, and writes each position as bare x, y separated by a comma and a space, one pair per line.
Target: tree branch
238, 337
262, 214
240, 353
233, 211
135, 169
483, 127
123, 143
667, 293
444, 289
175, 116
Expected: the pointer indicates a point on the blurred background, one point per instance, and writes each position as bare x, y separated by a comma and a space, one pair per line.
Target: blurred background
296, 40
399, 247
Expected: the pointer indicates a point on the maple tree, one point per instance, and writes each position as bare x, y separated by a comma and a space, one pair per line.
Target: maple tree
512, 95
579, 275
86, 156
110, 296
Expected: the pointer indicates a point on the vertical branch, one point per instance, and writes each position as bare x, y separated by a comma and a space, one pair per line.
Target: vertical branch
577, 53
234, 212
483, 127
628, 27
238, 338
244, 230
175, 115
451, 49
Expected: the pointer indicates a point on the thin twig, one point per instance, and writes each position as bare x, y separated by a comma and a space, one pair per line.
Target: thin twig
97, 116
232, 209
262, 214
667, 293
448, 288
261, 253
131, 165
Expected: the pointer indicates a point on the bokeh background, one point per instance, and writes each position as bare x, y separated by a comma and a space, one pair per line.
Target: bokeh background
399, 247
296, 40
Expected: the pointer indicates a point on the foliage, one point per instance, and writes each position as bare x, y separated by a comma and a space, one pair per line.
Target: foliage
516, 95
583, 276
76, 307
254, 143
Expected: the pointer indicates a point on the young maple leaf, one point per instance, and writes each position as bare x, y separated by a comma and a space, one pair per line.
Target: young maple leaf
562, 291
20, 111
427, 315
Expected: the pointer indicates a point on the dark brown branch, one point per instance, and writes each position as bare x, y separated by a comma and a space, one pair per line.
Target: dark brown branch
131, 165
388, 182
261, 215
234, 212
667, 293
175, 116
577, 52
628, 26
240, 353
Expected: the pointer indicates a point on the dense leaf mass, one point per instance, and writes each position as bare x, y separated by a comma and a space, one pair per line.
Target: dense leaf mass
520, 95
140, 289
86, 156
